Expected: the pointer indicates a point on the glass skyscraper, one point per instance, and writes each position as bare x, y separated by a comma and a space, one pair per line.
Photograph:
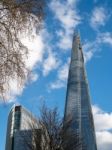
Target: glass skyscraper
19, 129
78, 106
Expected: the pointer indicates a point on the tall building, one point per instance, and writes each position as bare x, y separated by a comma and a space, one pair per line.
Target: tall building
78, 105
20, 129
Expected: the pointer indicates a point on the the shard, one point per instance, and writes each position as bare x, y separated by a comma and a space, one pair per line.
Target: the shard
78, 105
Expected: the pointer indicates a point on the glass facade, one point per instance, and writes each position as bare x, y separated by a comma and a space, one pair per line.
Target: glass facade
78, 105
19, 125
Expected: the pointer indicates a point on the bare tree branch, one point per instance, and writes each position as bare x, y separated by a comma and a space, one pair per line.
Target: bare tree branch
51, 133
16, 17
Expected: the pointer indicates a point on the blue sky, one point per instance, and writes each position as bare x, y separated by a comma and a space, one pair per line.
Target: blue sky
49, 58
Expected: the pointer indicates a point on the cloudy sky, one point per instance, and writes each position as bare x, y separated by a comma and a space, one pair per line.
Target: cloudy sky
49, 58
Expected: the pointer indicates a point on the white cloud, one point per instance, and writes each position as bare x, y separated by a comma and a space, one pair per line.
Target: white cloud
65, 41
99, 17
104, 139
71, 2
88, 56
33, 77
14, 89
36, 49
103, 126
66, 14
50, 63
40, 55
105, 38
63, 71
93, 47
56, 85
89, 50
62, 76
103, 120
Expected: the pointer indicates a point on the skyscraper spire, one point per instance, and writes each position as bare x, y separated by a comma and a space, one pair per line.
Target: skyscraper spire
78, 99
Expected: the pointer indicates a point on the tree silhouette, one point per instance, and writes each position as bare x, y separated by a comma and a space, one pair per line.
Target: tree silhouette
50, 133
16, 17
